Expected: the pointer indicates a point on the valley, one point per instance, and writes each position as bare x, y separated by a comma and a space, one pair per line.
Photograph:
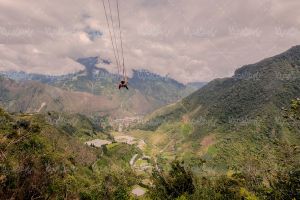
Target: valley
140, 164
149, 100
234, 137
247, 135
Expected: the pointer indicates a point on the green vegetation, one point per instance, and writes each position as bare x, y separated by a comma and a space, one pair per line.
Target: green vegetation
177, 182
186, 181
252, 160
43, 161
80, 125
293, 114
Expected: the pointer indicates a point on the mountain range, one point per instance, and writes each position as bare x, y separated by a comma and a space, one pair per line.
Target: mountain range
92, 90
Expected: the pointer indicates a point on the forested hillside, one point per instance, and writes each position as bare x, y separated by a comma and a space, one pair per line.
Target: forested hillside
44, 158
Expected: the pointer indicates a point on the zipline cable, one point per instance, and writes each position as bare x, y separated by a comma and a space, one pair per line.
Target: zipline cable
114, 34
111, 37
121, 41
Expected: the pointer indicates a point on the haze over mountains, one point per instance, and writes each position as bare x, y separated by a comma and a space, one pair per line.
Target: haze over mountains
92, 90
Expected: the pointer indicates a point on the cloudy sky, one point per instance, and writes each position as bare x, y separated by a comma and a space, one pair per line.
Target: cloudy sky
190, 40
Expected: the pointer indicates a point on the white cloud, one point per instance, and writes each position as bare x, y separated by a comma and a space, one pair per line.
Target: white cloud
192, 40
84, 38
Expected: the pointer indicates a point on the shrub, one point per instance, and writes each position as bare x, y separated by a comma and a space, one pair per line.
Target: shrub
23, 124
176, 183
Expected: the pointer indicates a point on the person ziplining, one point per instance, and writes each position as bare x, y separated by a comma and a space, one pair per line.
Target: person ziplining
111, 28
123, 84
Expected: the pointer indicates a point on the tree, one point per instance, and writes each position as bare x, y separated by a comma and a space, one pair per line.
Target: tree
295, 108
178, 182
293, 113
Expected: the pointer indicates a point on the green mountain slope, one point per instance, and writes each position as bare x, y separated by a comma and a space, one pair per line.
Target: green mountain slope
233, 120
41, 160
30, 96
238, 137
254, 90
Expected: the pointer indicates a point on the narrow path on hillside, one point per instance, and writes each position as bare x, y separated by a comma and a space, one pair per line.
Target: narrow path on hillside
137, 190
131, 162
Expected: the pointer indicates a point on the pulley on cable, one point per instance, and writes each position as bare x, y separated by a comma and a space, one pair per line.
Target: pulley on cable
116, 41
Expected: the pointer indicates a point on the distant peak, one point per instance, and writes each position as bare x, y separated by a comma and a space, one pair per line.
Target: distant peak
294, 49
143, 71
146, 75
253, 71
91, 62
